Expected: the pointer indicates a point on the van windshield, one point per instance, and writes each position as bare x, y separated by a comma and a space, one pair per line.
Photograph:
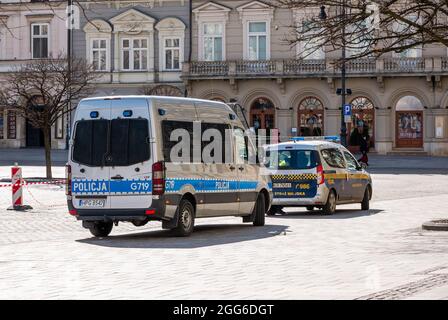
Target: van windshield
291, 159
117, 142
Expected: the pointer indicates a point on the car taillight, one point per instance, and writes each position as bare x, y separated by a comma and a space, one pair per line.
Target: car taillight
320, 175
68, 180
158, 178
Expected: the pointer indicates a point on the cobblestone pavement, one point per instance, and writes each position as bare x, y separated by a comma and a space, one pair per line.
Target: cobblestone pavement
378, 254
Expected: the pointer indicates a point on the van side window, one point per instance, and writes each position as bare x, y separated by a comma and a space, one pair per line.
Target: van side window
214, 135
168, 126
90, 142
241, 144
333, 157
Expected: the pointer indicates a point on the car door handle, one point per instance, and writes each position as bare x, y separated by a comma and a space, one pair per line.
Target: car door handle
117, 177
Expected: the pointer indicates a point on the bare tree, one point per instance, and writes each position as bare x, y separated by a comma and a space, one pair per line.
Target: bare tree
42, 91
368, 27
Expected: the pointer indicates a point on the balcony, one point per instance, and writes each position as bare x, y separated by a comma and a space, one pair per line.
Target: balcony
408, 65
295, 68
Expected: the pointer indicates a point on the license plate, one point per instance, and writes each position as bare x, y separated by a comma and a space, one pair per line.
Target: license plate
92, 203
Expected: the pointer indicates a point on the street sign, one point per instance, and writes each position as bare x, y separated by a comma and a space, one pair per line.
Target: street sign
347, 113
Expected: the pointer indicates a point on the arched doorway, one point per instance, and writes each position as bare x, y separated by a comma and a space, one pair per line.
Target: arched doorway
363, 122
409, 122
311, 117
262, 114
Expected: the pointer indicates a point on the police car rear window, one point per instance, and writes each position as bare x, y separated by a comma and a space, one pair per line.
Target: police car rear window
292, 159
120, 142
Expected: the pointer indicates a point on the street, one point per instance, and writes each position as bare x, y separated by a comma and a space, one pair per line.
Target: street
378, 254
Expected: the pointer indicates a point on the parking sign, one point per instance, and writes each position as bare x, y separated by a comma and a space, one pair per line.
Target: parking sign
347, 112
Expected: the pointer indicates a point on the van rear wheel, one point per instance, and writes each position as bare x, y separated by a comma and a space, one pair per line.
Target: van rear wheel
260, 211
185, 222
101, 229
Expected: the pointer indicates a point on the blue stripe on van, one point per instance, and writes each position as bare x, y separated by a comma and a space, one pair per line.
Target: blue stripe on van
171, 185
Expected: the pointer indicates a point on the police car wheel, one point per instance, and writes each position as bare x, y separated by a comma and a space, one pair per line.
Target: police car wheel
330, 207
365, 201
101, 229
185, 223
259, 211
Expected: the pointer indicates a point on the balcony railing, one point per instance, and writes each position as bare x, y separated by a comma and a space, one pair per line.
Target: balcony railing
361, 66
444, 63
307, 68
304, 66
404, 64
213, 68
255, 67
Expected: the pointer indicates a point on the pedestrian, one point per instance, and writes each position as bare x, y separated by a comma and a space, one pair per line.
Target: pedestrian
364, 148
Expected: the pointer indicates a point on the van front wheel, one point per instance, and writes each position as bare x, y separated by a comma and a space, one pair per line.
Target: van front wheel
185, 222
101, 229
259, 211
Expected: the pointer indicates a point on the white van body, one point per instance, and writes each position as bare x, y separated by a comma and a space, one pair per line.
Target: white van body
116, 142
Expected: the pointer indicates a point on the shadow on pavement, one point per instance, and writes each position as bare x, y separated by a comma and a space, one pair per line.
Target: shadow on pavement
340, 214
399, 171
203, 236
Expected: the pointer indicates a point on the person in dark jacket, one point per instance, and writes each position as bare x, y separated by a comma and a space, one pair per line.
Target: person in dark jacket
364, 148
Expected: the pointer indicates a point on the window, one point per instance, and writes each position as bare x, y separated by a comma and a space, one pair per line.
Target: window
170, 140
134, 54
2, 126
128, 142
359, 38
99, 54
312, 49
172, 54
292, 159
39, 40
333, 157
178, 142
352, 164
241, 143
213, 41
90, 145
59, 128
12, 125
257, 37
213, 141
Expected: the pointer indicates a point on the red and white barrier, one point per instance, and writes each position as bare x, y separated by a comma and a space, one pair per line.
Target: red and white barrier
17, 192
16, 183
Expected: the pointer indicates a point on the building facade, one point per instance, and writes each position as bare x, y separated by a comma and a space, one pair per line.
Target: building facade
240, 52
137, 47
28, 31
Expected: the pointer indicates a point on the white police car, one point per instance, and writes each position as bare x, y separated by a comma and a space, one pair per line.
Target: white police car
316, 172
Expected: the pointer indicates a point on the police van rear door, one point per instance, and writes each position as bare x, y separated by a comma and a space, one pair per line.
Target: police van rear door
129, 156
90, 175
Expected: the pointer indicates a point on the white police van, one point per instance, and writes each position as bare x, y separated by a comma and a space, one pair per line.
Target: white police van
316, 172
120, 166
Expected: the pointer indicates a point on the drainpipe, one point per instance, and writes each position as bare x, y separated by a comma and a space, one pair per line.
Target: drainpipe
190, 31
